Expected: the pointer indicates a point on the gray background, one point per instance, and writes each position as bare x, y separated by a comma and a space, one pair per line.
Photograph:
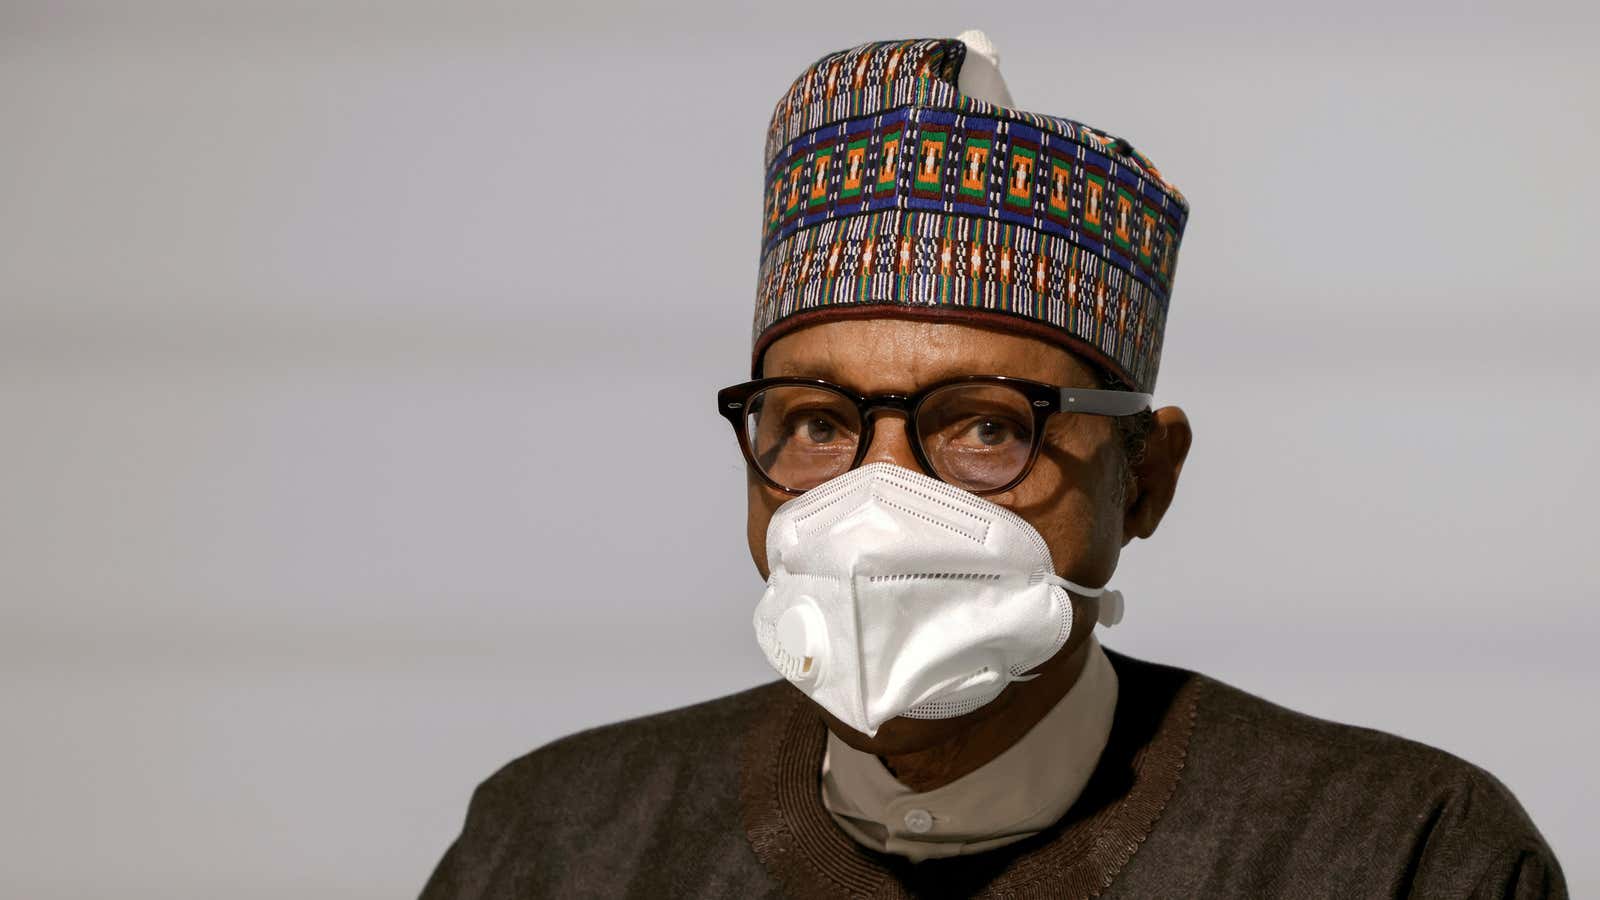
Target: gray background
331, 334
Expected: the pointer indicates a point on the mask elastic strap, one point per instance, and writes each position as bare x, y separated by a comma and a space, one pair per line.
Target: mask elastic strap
1111, 605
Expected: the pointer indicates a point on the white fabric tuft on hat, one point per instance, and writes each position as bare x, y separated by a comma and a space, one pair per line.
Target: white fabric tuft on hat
980, 73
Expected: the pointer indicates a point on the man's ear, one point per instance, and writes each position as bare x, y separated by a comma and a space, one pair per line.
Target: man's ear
1156, 476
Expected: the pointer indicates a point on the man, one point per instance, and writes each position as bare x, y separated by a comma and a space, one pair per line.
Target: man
949, 441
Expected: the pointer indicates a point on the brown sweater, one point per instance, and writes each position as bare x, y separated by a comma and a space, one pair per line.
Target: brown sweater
1204, 790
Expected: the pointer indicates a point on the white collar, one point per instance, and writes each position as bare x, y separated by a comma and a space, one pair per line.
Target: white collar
1017, 794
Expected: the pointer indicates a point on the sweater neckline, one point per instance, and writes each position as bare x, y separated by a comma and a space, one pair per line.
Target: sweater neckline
1015, 795
805, 851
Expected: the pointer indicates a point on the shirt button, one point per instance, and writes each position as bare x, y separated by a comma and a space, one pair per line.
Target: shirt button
919, 821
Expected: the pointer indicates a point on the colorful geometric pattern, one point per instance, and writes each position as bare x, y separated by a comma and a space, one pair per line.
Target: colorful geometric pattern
918, 258
885, 185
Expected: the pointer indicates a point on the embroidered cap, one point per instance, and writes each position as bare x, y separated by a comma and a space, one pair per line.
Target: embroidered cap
890, 191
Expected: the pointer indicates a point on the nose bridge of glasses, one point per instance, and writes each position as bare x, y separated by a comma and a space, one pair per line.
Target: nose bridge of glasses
894, 443
877, 405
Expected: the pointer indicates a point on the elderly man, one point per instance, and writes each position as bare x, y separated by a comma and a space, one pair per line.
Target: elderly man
949, 439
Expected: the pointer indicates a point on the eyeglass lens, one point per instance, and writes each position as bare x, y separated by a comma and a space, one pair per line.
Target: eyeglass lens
977, 437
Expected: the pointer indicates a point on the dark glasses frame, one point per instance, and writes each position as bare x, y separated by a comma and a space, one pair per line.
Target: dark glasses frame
1044, 399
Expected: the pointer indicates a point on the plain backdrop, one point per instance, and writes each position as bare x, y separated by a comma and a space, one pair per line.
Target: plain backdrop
357, 365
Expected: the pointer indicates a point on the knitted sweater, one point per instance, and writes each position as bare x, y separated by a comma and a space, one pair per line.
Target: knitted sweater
1203, 790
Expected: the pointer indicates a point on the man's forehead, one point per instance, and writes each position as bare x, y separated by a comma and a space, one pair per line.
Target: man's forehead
901, 355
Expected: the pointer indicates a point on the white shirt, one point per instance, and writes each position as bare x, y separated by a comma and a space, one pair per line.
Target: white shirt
1017, 794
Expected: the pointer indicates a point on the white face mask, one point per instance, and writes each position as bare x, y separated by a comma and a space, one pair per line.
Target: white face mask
896, 594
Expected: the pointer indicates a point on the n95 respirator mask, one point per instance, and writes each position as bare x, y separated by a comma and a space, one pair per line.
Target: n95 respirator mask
895, 594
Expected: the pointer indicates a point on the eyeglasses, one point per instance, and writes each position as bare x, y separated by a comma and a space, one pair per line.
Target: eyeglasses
980, 433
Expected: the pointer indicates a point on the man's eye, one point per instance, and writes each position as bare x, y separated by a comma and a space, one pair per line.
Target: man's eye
992, 432
819, 430
814, 428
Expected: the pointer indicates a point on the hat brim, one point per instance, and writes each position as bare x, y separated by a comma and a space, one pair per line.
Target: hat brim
993, 320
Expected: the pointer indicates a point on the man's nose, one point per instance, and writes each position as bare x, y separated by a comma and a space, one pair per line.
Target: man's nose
891, 443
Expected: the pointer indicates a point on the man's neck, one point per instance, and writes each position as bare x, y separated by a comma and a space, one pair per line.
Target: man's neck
938, 765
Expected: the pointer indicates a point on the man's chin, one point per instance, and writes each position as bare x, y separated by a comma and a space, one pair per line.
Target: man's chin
901, 735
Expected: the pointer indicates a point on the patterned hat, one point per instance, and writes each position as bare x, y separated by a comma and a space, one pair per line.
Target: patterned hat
890, 192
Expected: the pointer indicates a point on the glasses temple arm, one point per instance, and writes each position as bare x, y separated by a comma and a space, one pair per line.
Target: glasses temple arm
1103, 403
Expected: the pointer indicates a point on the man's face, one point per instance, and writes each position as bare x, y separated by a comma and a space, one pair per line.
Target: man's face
1074, 495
